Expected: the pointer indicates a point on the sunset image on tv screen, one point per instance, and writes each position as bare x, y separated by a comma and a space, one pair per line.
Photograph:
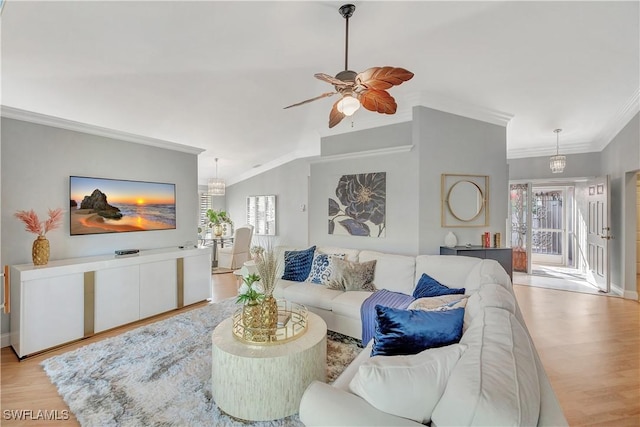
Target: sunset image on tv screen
100, 205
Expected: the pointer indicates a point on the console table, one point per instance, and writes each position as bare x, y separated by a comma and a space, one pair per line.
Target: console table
502, 255
67, 300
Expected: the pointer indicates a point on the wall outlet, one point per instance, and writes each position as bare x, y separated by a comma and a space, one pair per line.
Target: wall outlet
303, 207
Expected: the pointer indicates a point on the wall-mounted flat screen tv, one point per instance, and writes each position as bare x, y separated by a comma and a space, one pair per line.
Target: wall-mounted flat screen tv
100, 205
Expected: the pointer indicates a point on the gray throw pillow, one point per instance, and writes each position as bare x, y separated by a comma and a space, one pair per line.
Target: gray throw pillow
353, 276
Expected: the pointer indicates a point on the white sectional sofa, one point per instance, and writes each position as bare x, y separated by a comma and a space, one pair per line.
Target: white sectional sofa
498, 379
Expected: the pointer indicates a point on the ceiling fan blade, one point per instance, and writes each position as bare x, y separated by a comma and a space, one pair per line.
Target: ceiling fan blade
324, 95
335, 116
382, 78
378, 100
332, 80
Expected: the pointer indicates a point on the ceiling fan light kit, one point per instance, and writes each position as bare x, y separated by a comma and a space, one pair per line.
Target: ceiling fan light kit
368, 88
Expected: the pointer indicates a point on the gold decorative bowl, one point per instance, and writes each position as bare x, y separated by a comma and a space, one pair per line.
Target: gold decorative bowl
292, 323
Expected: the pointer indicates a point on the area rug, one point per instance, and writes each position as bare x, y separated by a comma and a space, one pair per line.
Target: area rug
160, 374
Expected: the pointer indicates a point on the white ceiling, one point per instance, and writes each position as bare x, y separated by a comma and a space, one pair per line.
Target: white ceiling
217, 75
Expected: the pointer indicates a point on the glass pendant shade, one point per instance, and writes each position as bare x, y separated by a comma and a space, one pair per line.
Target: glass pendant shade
557, 163
348, 105
216, 186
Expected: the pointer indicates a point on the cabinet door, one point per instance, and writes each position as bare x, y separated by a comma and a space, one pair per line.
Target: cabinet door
158, 287
52, 312
197, 278
117, 297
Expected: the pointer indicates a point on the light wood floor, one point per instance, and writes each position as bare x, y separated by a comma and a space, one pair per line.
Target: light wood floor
589, 345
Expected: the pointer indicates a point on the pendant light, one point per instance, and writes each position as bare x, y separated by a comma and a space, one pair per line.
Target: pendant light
557, 162
216, 185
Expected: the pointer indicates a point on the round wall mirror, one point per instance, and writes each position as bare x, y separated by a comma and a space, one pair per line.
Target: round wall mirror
465, 200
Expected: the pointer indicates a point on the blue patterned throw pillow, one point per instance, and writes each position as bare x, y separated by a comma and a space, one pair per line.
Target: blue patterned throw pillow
402, 332
322, 268
429, 287
297, 264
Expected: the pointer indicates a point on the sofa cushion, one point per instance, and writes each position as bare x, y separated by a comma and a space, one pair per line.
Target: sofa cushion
488, 295
429, 303
495, 382
349, 254
407, 386
311, 295
297, 264
393, 272
348, 303
429, 287
450, 270
400, 332
281, 285
322, 268
353, 276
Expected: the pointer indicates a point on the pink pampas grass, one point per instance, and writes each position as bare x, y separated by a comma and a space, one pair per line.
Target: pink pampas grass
34, 225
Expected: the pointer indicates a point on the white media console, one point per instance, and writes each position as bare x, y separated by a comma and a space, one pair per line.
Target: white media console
71, 299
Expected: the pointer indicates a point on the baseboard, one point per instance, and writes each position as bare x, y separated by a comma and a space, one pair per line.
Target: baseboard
617, 290
5, 340
633, 295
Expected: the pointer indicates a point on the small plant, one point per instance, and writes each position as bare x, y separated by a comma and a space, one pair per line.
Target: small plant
218, 217
35, 226
251, 290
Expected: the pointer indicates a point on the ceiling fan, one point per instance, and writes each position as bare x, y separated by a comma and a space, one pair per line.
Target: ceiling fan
367, 88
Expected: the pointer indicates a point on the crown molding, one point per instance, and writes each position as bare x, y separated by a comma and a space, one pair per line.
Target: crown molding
622, 117
578, 148
57, 122
360, 154
460, 108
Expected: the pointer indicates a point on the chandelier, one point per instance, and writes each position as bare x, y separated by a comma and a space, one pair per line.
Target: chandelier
557, 162
216, 185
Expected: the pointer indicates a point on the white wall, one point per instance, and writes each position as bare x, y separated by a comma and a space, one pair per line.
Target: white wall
37, 161
578, 166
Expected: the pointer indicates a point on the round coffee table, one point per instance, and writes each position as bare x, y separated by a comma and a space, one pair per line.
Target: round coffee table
266, 382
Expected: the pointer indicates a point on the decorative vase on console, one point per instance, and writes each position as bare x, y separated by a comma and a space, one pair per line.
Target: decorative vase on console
40, 249
217, 221
450, 240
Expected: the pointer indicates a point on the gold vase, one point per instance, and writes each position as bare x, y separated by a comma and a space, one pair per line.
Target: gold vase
218, 229
270, 313
252, 320
40, 251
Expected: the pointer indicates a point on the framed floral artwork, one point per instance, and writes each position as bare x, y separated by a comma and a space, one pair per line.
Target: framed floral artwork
358, 208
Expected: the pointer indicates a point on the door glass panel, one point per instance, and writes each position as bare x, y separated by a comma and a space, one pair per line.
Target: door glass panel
547, 224
519, 206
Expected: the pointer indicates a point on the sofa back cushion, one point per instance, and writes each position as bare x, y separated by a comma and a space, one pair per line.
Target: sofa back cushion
349, 254
450, 270
488, 295
495, 382
393, 272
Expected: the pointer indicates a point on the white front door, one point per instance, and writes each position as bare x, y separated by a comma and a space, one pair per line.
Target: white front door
548, 225
598, 232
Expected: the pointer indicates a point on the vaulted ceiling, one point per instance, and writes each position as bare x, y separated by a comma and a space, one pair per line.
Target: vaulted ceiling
217, 75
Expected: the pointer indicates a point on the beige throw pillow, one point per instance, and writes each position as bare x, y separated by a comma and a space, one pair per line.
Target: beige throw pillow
353, 276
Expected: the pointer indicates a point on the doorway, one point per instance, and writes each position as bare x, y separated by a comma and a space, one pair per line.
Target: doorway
555, 229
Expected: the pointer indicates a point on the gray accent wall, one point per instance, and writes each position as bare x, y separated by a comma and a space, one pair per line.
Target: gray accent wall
621, 161
413, 155
452, 144
37, 161
578, 166
289, 183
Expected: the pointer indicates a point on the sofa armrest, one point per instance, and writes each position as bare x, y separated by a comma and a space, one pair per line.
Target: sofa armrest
324, 405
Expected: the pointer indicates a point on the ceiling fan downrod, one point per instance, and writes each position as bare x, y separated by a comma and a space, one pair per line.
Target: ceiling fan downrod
347, 12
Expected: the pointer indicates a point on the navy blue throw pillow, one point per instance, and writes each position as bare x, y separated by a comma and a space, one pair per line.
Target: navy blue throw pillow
402, 332
429, 287
297, 264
